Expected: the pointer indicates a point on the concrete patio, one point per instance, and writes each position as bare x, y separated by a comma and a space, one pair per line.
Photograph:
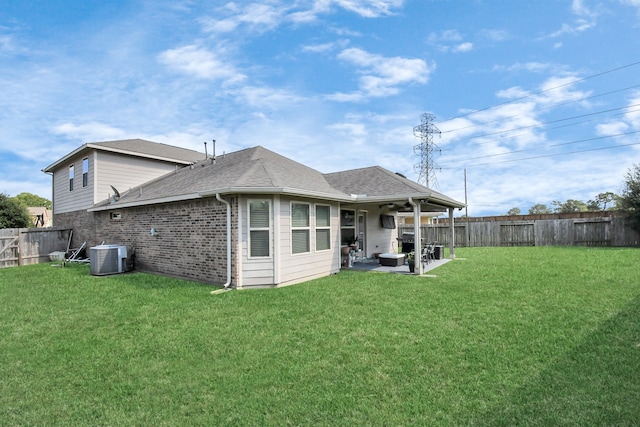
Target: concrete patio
373, 264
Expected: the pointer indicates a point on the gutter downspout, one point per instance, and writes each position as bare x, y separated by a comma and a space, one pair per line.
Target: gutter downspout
417, 238
228, 282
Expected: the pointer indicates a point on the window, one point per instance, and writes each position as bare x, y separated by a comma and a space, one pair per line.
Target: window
259, 228
71, 173
85, 172
348, 226
323, 227
300, 229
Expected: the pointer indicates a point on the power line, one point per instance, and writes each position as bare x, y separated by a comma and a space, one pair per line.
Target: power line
539, 125
550, 155
550, 146
545, 108
542, 91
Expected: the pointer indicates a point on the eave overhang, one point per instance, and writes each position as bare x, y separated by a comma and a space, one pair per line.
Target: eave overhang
427, 201
89, 146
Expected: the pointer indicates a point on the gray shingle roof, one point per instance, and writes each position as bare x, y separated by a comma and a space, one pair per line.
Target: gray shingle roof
142, 147
136, 147
251, 170
259, 170
377, 182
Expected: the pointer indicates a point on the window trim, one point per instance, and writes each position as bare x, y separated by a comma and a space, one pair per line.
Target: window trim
72, 174
347, 226
322, 227
85, 172
269, 228
306, 228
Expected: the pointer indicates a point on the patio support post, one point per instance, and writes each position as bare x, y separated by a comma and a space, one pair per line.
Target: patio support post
452, 236
417, 238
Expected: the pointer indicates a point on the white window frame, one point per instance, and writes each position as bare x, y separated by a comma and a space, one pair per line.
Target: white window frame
72, 173
299, 228
85, 172
322, 227
251, 229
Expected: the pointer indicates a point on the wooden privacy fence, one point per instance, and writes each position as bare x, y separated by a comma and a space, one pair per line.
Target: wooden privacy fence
602, 231
24, 246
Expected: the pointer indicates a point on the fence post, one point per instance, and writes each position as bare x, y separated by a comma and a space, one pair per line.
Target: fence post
20, 245
452, 236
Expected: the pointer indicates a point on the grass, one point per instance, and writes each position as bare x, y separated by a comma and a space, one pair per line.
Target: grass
508, 336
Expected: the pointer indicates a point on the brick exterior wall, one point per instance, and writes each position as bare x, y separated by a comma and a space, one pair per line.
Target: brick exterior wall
190, 240
83, 225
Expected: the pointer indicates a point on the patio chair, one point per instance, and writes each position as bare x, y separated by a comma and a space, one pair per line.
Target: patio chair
428, 253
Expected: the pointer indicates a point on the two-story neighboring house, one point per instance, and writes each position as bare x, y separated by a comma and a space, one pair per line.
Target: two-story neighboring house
250, 218
95, 171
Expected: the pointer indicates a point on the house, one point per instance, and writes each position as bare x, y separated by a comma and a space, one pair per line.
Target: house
40, 216
96, 171
251, 218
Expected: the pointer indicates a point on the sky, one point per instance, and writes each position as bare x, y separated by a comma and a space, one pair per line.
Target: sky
529, 102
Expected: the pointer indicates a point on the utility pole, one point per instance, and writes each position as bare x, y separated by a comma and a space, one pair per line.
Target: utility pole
426, 167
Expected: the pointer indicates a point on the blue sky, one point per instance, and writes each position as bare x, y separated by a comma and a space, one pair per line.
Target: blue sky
537, 100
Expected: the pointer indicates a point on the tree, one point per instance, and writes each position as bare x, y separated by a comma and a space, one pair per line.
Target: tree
602, 200
569, 206
12, 213
32, 200
513, 211
630, 199
539, 209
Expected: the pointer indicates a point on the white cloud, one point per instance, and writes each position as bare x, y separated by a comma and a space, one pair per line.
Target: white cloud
611, 128
261, 17
89, 132
445, 36
632, 113
449, 41
265, 97
534, 67
495, 35
382, 75
370, 8
200, 62
560, 89
325, 47
585, 20
463, 47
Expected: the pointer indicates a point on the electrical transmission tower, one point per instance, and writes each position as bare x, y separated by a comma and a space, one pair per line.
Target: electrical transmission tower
427, 166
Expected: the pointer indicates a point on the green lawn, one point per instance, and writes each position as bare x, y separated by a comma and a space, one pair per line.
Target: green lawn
506, 336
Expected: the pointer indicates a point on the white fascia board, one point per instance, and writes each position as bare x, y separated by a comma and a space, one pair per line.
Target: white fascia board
65, 158
276, 190
138, 154
429, 198
112, 150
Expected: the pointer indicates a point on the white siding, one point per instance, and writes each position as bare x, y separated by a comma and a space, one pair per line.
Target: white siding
254, 272
381, 240
81, 197
296, 268
378, 239
124, 172
283, 267
105, 169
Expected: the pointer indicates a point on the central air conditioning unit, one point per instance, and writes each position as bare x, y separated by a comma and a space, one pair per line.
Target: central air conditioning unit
107, 259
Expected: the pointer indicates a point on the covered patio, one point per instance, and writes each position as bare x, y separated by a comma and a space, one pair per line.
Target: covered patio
373, 264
